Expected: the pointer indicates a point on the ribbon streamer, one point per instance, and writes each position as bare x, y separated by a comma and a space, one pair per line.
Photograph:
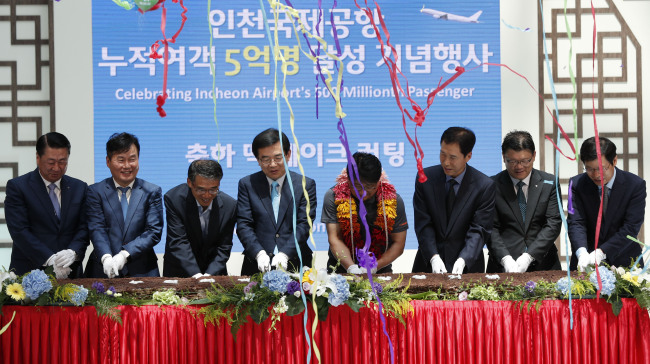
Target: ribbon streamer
160, 100
514, 27
638, 259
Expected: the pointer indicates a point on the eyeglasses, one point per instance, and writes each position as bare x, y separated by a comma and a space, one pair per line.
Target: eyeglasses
594, 170
203, 191
267, 161
523, 162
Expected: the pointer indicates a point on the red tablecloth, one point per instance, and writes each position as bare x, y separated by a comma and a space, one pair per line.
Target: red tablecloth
438, 332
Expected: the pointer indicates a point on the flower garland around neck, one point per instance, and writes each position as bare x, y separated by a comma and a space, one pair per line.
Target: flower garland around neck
348, 215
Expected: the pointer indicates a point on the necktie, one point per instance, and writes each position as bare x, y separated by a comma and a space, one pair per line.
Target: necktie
275, 198
605, 199
205, 222
275, 201
124, 201
521, 197
451, 196
55, 200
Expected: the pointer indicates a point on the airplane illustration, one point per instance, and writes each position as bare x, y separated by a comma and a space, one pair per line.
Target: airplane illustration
452, 17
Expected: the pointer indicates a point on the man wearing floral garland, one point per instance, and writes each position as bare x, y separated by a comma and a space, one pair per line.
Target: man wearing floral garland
623, 209
265, 207
45, 212
385, 216
453, 209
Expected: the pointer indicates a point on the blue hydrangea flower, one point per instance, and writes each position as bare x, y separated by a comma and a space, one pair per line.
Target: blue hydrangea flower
35, 283
563, 285
342, 290
79, 296
606, 277
276, 280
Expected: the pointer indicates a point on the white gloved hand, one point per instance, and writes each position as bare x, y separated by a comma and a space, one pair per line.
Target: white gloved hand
119, 260
65, 258
437, 265
62, 272
365, 271
597, 256
50, 260
198, 275
263, 261
523, 262
107, 262
354, 269
509, 264
583, 259
280, 260
458, 266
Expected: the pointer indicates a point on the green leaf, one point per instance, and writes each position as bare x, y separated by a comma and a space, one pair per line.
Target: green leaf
354, 305
617, 306
259, 313
323, 308
295, 304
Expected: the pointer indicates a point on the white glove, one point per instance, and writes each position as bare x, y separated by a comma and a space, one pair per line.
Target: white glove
354, 269
509, 264
65, 258
437, 265
107, 262
50, 260
61, 272
119, 260
458, 266
197, 275
597, 256
280, 260
523, 262
263, 261
365, 271
583, 259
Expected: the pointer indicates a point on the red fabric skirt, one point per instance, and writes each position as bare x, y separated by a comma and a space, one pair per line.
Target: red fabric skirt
437, 332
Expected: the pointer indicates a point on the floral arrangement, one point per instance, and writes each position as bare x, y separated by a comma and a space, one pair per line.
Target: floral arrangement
347, 214
39, 287
278, 292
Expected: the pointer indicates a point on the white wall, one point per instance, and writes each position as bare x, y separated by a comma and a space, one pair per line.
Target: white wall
74, 102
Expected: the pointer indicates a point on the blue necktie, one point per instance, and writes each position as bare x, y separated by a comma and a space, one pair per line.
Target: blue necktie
275, 201
275, 198
522, 199
55, 200
124, 201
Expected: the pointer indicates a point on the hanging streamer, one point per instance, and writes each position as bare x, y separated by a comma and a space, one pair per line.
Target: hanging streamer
514, 27
160, 100
214, 84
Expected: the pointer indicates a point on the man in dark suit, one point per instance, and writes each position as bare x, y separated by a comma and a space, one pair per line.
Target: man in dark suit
125, 216
527, 219
45, 213
200, 224
265, 209
623, 209
453, 209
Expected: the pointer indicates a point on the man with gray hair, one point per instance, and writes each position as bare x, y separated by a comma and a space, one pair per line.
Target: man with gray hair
200, 224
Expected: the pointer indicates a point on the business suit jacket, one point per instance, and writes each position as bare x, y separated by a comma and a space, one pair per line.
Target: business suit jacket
624, 216
256, 225
511, 236
137, 235
34, 228
186, 252
471, 220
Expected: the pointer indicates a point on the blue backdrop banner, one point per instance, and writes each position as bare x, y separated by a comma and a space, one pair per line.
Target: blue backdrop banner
431, 39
